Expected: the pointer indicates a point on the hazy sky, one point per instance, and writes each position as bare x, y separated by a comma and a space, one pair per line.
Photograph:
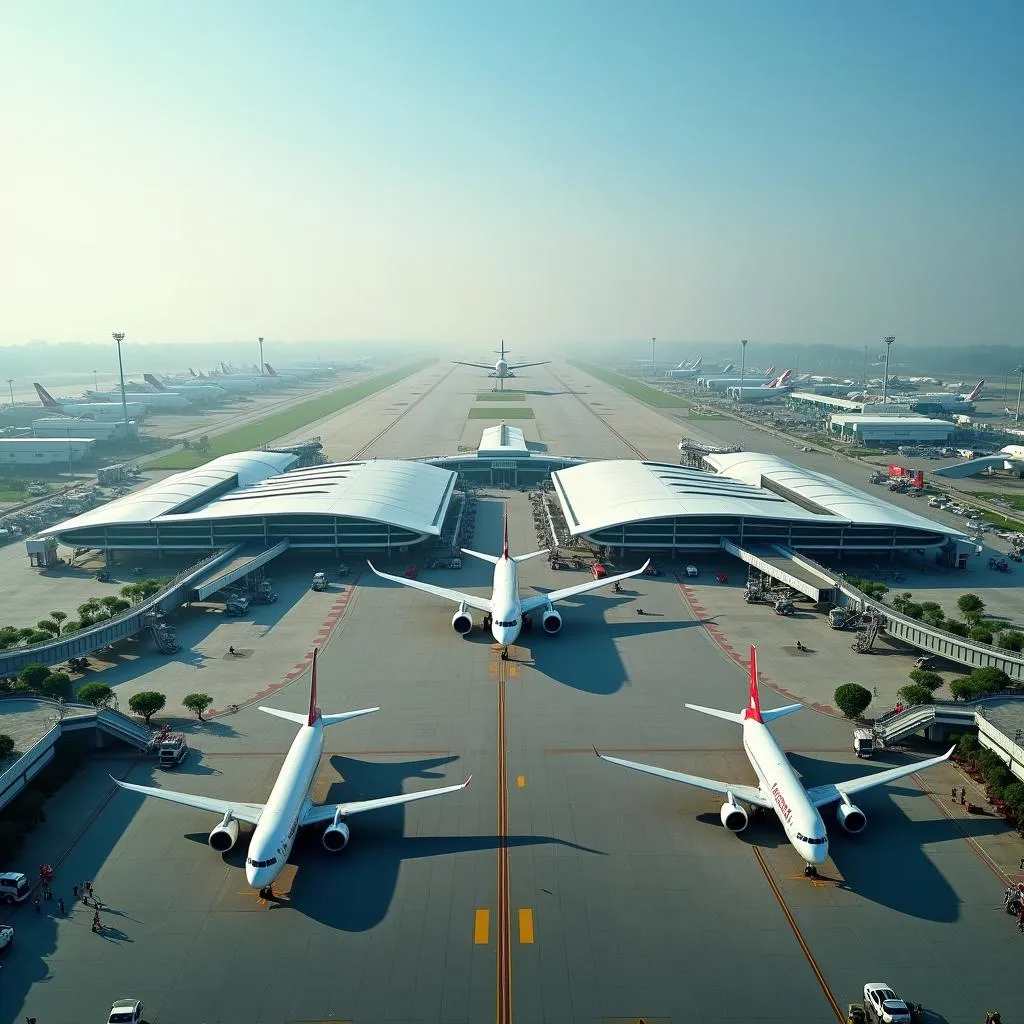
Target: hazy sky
815, 171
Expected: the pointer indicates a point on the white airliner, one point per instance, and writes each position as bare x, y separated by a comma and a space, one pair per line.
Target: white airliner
778, 787
289, 806
105, 412
502, 369
505, 608
194, 392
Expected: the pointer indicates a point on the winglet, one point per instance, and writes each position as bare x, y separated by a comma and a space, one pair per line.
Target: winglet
314, 711
504, 549
752, 712
465, 785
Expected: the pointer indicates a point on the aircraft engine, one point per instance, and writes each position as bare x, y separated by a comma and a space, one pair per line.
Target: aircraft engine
734, 817
224, 836
551, 621
462, 621
852, 818
335, 837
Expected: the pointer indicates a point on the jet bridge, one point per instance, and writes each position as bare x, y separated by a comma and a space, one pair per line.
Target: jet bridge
785, 566
243, 564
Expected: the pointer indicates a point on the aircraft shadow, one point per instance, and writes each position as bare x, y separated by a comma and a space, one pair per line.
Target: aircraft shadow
352, 891
887, 863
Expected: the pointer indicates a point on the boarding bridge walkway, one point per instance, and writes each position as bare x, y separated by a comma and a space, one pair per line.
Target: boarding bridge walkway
246, 561
783, 565
70, 718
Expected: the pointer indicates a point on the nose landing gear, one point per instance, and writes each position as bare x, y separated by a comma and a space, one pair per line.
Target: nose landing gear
810, 871
504, 654
267, 892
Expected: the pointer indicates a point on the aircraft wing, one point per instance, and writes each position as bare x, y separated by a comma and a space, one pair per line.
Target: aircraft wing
479, 366
821, 795
241, 810
481, 604
748, 794
523, 366
539, 600
323, 813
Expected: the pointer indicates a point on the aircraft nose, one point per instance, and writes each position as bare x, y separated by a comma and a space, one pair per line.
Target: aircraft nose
819, 854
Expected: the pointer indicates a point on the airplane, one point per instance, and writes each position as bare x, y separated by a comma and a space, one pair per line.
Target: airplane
289, 806
773, 389
502, 369
684, 371
778, 787
505, 609
947, 399
159, 402
103, 412
194, 392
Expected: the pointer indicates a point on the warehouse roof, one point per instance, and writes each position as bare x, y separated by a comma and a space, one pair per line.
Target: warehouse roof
819, 492
502, 441
413, 495
888, 421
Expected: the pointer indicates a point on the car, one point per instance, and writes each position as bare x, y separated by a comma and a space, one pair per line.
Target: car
885, 1005
6, 935
125, 1011
927, 661
691, 570
805, 449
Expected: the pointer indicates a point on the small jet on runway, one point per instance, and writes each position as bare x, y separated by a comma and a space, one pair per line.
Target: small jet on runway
779, 788
502, 369
289, 806
506, 610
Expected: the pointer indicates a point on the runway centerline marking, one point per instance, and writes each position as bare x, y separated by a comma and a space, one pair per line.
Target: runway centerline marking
504, 960
481, 927
798, 935
526, 926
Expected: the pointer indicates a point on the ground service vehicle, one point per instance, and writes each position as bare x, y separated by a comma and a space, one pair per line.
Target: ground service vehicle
784, 607
319, 581
14, 887
863, 742
6, 935
237, 606
173, 750
125, 1011
691, 570
884, 1005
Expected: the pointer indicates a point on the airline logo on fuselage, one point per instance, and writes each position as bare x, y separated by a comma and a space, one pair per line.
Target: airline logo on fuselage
780, 803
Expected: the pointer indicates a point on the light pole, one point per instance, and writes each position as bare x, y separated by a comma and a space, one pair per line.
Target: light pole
885, 382
10, 384
743, 364
70, 473
1020, 387
118, 336
263, 372
95, 380
654, 365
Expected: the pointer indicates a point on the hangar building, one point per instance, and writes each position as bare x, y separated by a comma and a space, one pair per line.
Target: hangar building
749, 500
249, 497
875, 430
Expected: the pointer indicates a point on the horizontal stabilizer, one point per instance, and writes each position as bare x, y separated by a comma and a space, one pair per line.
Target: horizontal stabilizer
532, 554
789, 709
288, 716
729, 716
493, 559
346, 715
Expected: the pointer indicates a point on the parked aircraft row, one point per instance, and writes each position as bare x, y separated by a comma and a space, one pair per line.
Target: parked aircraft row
290, 806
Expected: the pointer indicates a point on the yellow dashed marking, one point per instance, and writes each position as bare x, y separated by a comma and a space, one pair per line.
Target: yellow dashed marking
526, 926
521, 781
481, 927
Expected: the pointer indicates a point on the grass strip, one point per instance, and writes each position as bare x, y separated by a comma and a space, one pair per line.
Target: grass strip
501, 396
514, 412
633, 388
252, 435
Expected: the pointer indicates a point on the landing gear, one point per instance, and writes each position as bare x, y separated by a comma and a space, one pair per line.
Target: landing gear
267, 892
504, 654
810, 871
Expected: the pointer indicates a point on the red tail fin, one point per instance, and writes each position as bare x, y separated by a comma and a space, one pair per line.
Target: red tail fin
150, 379
752, 712
314, 711
977, 391
504, 549
45, 397
270, 370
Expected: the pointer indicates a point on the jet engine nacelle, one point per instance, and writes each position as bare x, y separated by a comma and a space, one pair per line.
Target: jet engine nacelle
551, 621
734, 817
852, 818
462, 621
335, 837
224, 836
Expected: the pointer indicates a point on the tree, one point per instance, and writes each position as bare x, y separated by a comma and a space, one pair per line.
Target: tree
133, 592
6, 745
58, 686
852, 699
1011, 640
971, 606
98, 694
968, 746
9, 636
89, 608
48, 626
956, 627
37, 636
197, 702
72, 626
119, 605
32, 676
901, 601
1013, 796
147, 703
963, 688
915, 693
932, 680
989, 679
980, 634
58, 617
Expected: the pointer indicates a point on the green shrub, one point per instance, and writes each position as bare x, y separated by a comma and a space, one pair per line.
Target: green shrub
852, 699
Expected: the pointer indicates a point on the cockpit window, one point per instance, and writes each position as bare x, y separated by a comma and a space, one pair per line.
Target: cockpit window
812, 842
261, 863
510, 623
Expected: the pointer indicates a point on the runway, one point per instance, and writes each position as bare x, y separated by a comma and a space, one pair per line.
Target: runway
557, 887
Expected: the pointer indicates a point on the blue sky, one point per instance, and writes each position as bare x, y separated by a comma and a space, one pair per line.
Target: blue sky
456, 172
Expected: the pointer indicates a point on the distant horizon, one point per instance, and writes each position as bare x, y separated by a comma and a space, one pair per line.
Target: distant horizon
554, 174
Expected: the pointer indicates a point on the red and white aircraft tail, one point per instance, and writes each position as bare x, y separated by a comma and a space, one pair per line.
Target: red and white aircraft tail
975, 393
781, 380
270, 370
45, 397
158, 384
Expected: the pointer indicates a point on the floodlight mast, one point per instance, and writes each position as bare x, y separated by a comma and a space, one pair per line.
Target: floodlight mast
118, 336
885, 383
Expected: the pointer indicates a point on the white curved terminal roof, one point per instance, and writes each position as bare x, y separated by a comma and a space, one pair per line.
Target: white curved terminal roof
413, 495
820, 491
597, 495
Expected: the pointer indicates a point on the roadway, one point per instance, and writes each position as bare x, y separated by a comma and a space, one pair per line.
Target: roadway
557, 887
